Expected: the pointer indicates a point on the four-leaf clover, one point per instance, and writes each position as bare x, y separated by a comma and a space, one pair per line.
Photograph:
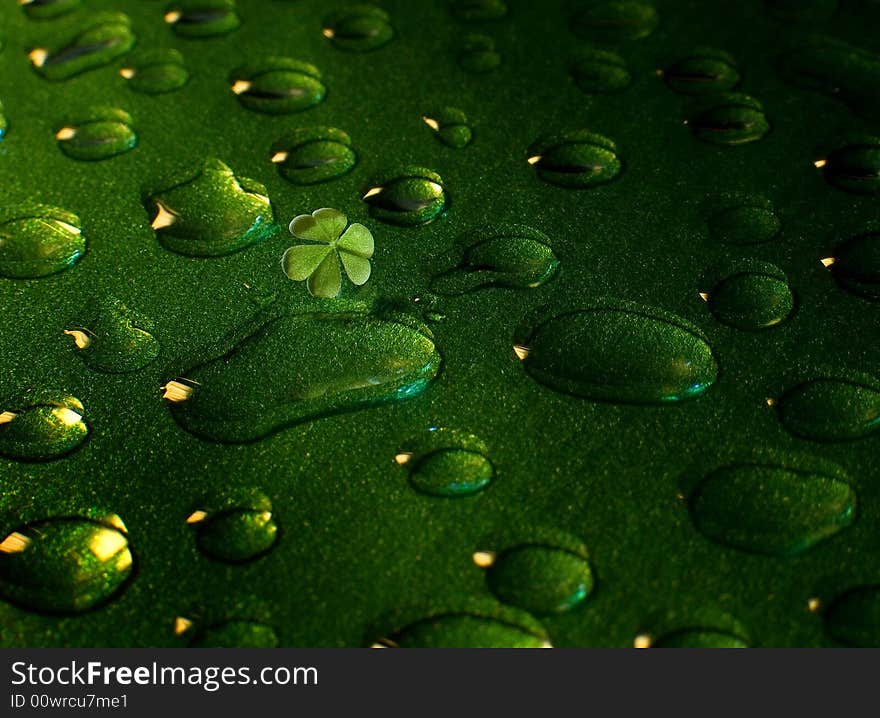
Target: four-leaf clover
319, 263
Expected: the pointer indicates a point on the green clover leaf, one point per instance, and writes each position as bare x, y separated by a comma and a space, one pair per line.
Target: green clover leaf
319, 263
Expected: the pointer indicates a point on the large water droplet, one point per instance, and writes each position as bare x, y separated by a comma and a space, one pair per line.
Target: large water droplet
514, 256
471, 629
309, 156
771, 510
64, 565
623, 352
102, 133
699, 638
236, 634
744, 220
236, 529
106, 36
203, 18
278, 85
359, 28
446, 462
748, 295
213, 213
450, 126
41, 426
318, 364
413, 196
828, 409
599, 71
853, 618
856, 265
155, 72
48, 9
40, 241
575, 159
705, 70
728, 119
801, 10
614, 22
472, 10
477, 54
855, 167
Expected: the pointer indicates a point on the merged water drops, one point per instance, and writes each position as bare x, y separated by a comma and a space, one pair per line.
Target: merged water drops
853, 618
771, 510
446, 462
748, 294
278, 85
615, 22
39, 241
65, 564
48, 9
855, 265
319, 363
312, 155
104, 37
203, 18
156, 72
831, 409
575, 159
744, 220
235, 528
450, 126
100, 134
214, 213
854, 167
618, 352
359, 28
705, 70
477, 54
236, 633
511, 256
728, 119
599, 71
410, 197
472, 10
41, 425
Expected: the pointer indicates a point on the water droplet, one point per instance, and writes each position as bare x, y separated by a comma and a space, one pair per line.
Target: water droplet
856, 265
41, 426
705, 70
623, 352
853, 618
105, 37
599, 71
744, 220
237, 634
728, 119
111, 338
101, 134
359, 28
278, 85
214, 213
64, 565
749, 295
48, 9
801, 10
471, 629
540, 579
477, 54
236, 529
771, 510
413, 196
828, 409
614, 22
699, 638
203, 18
156, 72
319, 364
309, 156
575, 159
472, 10
855, 167
514, 256
446, 462
41, 241
450, 126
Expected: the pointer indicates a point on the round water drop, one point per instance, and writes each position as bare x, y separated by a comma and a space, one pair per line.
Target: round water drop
704, 71
446, 462
771, 510
599, 71
699, 638
855, 167
102, 133
48, 9
623, 352
156, 72
749, 295
359, 28
575, 159
728, 119
478, 55
203, 18
450, 126
214, 213
829, 409
801, 10
615, 22
411, 197
309, 156
278, 85
853, 618
64, 565
235, 530
236, 634
474, 10
540, 579
41, 426
856, 265
744, 220
40, 241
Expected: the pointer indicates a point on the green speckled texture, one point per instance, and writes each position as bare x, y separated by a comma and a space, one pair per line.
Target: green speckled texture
355, 541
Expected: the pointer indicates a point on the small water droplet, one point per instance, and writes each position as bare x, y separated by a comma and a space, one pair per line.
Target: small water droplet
156, 72
477, 54
450, 126
319, 364
705, 70
855, 265
853, 618
478, 10
744, 220
105, 37
64, 565
203, 18
771, 510
278, 85
855, 167
622, 352
359, 28
575, 159
728, 119
236, 634
446, 462
801, 10
42, 426
99, 135
40, 241
615, 22
749, 295
235, 529
512, 256
413, 196
599, 71
309, 156
214, 213
48, 9
699, 638
830, 409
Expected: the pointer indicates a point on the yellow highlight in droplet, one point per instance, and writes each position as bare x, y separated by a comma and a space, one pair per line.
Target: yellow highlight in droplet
66, 416
65, 133
127, 72
828, 261
372, 192
14, 543
7, 416
431, 122
534, 160
163, 217
771, 401
107, 543
643, 640
80, 338
181, 625
328, 33
403, 457
704, 296
521, 351
38, 56
241, 86
484, 559
196, 516
172, 16
814, 604
177, 392
820, 163
279, 157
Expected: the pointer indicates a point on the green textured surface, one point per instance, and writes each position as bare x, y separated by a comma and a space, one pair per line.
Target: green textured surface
359, 553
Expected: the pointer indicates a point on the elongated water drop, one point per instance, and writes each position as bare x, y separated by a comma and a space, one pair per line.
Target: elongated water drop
615, 22
278, 85
100, 134
156, 72
728, 119
855, 167
48, 9
203, 18
704, 71
575, 159
359, 28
